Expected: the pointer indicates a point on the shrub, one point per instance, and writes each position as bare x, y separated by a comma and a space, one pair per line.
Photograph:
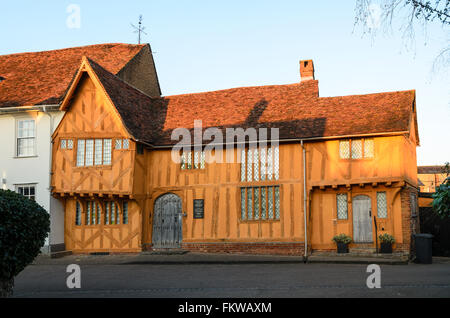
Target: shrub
386, 238
342, 238
24, 225
441, 199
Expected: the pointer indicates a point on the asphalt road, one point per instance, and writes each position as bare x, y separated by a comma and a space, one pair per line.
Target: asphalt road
235, 280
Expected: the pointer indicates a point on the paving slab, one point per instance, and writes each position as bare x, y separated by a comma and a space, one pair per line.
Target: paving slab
164, 258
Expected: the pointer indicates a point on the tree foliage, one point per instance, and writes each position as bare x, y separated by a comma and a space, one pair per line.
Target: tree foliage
24, 225
441, 198
374, 15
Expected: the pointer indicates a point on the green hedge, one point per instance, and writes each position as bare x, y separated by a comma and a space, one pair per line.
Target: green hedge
24, 225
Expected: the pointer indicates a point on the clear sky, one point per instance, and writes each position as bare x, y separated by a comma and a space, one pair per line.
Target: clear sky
203, 45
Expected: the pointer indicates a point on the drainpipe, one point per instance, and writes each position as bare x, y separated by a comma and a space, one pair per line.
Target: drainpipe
305, 200
51, 119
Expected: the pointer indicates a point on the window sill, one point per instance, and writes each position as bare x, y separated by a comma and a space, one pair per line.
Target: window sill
24, 157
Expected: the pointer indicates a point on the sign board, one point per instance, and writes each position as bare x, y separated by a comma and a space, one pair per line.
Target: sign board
199, 209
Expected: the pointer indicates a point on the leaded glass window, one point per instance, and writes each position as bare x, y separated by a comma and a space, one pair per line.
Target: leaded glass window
263, 155
243, 204
189, 160
113, 213
70, 144
269, 164
243, 168
381, 205
88, 214
260, 203
126, 144
276, 166
196, 159
183, 160
77, 213
257, 205
356, 149
270, 202
260, 164
202, 160
94, 213
344, 149
125, 212
80, 153
277, 202
342, 206
193, 160
256, 165
263, 203
249, 165
89, 152
107, 145
63, 144
99, 214
368, 148
98, 151
249, 203
107, 212
118, 144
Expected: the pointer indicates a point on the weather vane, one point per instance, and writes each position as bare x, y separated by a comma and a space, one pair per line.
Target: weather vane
140, 29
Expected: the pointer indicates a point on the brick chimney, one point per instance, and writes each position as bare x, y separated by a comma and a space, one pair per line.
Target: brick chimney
306, 70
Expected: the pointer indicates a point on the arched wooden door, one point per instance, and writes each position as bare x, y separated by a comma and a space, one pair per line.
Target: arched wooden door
167, 222
362, 219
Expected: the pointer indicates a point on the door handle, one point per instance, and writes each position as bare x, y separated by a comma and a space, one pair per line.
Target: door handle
370, 213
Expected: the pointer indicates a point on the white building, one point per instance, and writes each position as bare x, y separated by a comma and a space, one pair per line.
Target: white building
32, 85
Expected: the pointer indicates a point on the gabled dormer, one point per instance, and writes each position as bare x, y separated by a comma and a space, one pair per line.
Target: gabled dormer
94, 146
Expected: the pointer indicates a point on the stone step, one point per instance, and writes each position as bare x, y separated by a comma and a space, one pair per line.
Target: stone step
60, 254
165, 251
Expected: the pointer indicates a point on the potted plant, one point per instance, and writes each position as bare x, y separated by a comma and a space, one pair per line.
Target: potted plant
342, 242
386, 241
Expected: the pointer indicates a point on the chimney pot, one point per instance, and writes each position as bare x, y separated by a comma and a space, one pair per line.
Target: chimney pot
306, 70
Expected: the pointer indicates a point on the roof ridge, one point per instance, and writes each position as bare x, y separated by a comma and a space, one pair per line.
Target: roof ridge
233, 88
73, 48
371, 94
117, 78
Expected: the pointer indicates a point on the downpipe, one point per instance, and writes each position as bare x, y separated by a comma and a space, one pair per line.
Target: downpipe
305, 256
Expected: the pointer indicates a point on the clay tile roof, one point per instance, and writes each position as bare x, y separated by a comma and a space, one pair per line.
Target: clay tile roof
42, 77
431, 169
134, 106
296, 109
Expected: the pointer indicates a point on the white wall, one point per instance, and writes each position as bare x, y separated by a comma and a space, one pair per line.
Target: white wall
34, 169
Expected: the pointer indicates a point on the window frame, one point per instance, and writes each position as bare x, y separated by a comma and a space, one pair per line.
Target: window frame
387, 205
268, 164
189, 158
337, 206
93, 165
16, 143
363, 149
263, 212
27, 185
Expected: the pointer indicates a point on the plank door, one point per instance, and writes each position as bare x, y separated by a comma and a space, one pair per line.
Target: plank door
167, 222
362, 219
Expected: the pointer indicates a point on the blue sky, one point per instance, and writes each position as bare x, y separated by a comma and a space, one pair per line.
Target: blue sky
204, 45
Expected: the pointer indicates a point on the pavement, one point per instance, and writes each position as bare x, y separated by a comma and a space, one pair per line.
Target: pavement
207, 258
226, 276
